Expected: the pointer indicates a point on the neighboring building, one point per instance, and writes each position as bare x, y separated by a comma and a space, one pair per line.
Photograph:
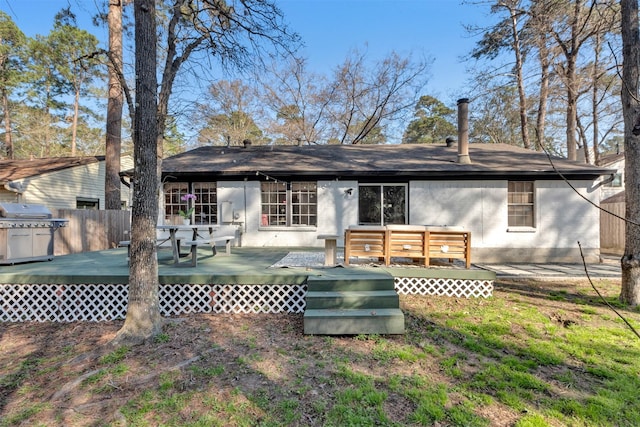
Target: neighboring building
616, 184
516, 206
58, 182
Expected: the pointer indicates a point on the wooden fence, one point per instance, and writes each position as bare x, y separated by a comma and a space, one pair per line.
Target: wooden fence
90, 230
612, 228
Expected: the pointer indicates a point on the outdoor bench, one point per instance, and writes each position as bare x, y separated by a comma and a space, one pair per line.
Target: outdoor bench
417, 242
365, 241
194, 244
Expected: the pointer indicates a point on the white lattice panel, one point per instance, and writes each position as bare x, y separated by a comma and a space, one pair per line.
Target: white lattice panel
444, 287
99, 302
62, 303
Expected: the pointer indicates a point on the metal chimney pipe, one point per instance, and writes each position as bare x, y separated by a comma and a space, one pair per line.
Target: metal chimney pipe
463, 131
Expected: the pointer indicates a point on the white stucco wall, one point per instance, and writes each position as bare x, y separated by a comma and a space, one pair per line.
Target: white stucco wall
336, 211
562, 217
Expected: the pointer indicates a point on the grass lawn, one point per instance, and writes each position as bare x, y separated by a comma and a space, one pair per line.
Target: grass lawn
535, 354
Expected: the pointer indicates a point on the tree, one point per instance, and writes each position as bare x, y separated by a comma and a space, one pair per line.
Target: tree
432, 123
143, 319
574, 24
630, 261
299, 99
229, 116
235, 34
113, 137
71, 47
362, 99
12, 46
506, 34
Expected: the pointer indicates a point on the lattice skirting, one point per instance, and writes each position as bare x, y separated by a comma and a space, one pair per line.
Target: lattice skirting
467, 288
101, 302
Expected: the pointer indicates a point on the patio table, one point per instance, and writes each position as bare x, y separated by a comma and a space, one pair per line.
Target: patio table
195, 229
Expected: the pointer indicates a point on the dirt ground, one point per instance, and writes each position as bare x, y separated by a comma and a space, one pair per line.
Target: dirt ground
59, 365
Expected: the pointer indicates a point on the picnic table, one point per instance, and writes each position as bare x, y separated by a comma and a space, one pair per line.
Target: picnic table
195, 230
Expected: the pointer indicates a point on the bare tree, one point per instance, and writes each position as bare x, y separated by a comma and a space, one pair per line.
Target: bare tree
630, 262
364, 100
114, 108
295, 97
574, 24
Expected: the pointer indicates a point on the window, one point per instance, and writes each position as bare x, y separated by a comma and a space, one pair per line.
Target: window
205, 205
87, 203
617, 180
289, 204
521, 204
380, 204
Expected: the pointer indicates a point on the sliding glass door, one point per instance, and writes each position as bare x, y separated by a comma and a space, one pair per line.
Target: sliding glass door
382, 204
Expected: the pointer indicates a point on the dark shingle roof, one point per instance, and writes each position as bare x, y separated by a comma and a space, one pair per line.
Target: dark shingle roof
415, 160
11, 170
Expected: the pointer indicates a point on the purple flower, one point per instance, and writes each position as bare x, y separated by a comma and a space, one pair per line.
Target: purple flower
188, 197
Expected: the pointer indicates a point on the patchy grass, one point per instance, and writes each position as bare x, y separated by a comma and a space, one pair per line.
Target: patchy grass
535, 354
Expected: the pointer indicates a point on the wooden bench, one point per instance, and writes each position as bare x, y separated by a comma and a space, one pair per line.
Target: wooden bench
416, 242
365, 241
195, 244
330, 249
406, 241
450, 244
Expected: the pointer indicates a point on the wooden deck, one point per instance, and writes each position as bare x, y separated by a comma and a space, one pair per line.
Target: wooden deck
93, 286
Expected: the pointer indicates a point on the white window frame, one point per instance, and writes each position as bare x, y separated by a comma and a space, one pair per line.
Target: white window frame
530, 203
288, 205
206, 201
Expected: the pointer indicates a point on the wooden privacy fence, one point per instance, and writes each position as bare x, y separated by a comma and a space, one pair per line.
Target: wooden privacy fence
612, 228
90, 230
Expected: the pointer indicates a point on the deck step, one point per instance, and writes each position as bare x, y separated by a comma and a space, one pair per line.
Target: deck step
352, 299
353, 321
356, 283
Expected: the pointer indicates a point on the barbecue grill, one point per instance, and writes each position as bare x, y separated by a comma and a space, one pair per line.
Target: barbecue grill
26, 232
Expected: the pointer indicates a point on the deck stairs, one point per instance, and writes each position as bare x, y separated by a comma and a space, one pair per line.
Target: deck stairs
362, 304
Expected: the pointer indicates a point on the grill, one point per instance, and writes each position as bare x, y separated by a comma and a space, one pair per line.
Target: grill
26, 232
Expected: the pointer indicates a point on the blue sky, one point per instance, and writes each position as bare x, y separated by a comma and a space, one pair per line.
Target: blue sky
331, 28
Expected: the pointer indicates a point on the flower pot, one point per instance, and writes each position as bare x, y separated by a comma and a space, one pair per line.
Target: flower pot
186, 221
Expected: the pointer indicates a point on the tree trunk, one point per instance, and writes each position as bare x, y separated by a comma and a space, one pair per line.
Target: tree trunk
524, 125
545, 64
572, 109
630, 262
74, 123
143, 319
114, 109
8, 141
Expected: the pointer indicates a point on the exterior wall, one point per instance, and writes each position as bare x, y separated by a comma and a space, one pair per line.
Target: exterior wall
609, 190
59, 190
336, 211
563, 219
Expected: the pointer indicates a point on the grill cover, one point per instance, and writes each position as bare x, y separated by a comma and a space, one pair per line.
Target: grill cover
24, 210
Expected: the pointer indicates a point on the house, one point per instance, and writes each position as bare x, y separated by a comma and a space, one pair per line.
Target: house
515, 202
616, 184
58, 182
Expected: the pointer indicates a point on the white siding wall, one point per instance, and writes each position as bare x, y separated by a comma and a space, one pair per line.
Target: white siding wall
59, 189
